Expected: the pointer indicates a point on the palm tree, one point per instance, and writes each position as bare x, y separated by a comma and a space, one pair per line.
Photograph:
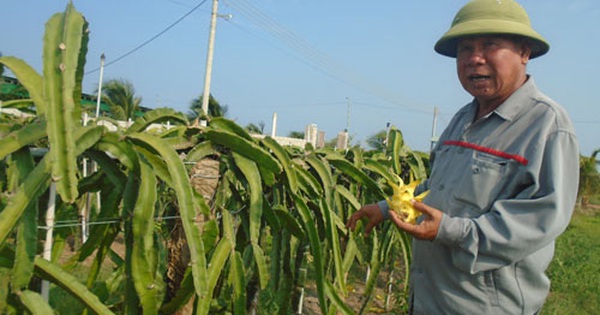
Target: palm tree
214, 108
256, 128
377, 141
119, 94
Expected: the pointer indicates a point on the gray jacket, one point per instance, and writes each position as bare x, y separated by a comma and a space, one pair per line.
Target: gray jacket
507, 185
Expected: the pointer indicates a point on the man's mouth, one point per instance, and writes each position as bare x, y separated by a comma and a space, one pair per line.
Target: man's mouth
478, 78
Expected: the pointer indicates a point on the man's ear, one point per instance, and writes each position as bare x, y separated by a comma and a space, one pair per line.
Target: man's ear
525, 52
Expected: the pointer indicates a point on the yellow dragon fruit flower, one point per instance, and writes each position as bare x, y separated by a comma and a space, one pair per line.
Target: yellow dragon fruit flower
400, 202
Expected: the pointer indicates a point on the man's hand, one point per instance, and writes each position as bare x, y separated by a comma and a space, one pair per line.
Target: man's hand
371, 212
427, 229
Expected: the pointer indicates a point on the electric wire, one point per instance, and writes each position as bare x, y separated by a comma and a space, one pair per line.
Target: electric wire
317, 60
151, 38
314, 66
297, 44
324, 62
370, 106
291, 39
74, 223
304, 105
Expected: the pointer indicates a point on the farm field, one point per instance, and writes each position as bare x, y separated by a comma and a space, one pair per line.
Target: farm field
575, 270
575, 275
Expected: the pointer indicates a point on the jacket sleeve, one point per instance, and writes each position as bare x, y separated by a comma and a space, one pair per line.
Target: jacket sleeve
515, 228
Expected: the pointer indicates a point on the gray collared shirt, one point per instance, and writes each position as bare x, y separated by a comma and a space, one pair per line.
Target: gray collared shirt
507, 184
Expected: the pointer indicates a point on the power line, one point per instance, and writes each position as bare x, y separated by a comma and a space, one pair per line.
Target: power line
297, 44
152, 38
312, 65
370, 105
320, 60
303, 105
73, 223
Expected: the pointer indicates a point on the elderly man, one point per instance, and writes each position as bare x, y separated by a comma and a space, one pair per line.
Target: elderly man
504, 176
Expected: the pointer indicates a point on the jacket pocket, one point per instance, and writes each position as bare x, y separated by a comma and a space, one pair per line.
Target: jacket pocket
482, 182
491, 289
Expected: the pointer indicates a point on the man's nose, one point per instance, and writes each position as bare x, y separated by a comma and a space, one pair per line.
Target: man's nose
476, 56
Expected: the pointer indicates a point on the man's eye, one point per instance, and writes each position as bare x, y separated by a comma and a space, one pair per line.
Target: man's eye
491, 43
462, 49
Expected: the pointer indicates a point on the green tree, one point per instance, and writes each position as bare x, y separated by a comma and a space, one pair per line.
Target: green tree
377, 141
215, 109
296, 134
256, 128
589, 178
119, 94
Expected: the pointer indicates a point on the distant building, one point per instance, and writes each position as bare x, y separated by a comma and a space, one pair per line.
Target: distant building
310, 134
342, 141
284, 141
320, 139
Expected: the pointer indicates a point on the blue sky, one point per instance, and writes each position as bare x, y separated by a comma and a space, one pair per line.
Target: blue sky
336, 63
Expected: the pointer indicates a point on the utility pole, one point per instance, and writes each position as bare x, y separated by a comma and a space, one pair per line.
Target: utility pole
85, 210
209, 61
274, 127
102, 58
433, 136
47, 253
348, 115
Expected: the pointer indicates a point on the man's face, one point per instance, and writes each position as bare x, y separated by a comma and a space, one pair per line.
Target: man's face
491, 68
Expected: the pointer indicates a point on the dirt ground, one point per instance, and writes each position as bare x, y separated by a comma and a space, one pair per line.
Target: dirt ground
355, 298
310, 305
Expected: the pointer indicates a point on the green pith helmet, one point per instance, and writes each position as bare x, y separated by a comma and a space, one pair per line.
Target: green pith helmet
488, 17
